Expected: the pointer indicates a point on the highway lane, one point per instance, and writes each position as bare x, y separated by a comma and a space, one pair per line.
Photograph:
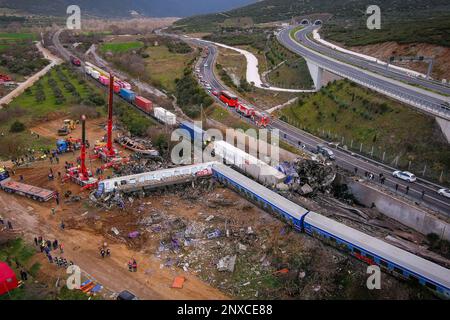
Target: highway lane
296, 137
302, 36
344, 159
420, 98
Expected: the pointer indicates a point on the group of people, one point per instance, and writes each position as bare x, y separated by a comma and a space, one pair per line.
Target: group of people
132, 265
46, 246
8, 223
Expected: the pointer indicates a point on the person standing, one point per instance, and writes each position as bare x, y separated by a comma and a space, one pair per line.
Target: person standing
61, 248
134, 265
423, 194
9, 225
407, 189
396, 187
35, 241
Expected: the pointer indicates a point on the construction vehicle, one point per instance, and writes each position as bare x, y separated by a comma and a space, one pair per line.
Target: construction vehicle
35, 193
68, 145
63, 131
72, 125
80, 173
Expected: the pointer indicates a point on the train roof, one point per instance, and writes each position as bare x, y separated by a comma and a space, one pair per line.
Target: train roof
268, 195
398, 256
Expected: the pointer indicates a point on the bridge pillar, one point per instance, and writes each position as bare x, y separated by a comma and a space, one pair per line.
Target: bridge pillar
445, 127
316, 74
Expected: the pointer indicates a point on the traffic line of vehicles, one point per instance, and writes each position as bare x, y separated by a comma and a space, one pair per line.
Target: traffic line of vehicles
261, 119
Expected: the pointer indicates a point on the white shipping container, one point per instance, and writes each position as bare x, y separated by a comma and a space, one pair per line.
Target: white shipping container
165, 116
95, 74
88, 69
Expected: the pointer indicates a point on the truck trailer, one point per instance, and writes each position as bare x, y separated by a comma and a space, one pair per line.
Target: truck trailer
32, 192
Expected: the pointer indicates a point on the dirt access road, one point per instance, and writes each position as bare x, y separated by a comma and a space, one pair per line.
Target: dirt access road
82, 246
54, 60
150, 282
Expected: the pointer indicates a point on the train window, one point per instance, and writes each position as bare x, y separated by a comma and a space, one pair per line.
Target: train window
356, 251
398, 270
430, 285
332, 239
123, 182
413, 278
369, 256
383, 263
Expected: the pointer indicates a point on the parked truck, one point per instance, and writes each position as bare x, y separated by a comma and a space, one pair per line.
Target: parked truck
35, 193
67, 145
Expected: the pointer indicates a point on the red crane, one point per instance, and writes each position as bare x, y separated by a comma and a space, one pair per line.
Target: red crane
84, 175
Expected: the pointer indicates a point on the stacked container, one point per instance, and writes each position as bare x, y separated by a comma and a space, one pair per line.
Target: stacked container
143, 104
165, 116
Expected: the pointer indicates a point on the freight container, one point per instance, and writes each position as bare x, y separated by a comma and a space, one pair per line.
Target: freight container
144, 104
165, 116
127, 94
88, 70
95, 74
103, 80
126, 85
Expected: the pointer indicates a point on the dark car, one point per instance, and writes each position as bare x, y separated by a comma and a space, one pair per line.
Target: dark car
126, 295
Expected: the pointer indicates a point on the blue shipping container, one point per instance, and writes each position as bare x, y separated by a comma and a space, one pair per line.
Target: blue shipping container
128, 95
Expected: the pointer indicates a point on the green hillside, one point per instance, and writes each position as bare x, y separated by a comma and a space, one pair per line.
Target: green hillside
402, 20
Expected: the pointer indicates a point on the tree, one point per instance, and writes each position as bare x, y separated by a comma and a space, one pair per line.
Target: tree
17, 126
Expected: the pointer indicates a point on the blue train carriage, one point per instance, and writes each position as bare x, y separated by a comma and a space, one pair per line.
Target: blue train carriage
194, 131
373, 251
266, 199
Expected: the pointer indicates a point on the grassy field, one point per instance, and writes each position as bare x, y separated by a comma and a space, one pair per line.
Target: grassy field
343, 109
119, 47
164, 66
17, 36
48, 98
37, 286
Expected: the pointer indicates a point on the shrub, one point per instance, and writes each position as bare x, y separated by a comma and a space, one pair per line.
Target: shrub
17, 126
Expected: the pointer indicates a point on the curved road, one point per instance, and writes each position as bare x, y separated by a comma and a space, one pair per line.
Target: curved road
368, 74
344, 159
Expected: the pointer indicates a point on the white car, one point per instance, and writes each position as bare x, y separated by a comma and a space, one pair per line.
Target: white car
444, 192
404, 175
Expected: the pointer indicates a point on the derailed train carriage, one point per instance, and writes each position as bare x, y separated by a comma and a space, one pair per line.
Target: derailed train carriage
364, 247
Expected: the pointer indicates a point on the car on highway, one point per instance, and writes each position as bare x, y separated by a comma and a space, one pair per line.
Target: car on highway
444, 192
326, 152
404, 175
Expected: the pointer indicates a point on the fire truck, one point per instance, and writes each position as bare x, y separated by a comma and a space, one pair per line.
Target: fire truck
261, 119
245, 110
228, 98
